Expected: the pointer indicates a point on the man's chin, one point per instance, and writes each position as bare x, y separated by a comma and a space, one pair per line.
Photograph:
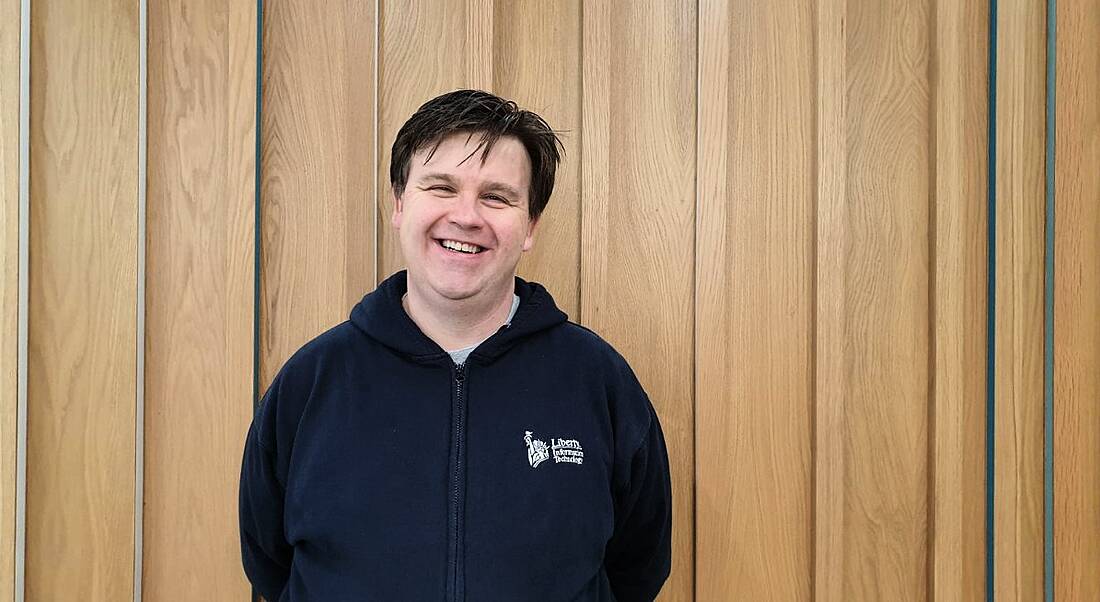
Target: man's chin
456, 291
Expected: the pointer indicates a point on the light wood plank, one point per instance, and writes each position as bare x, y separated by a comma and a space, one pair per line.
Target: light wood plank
640, 296
1076, 305
478, 52
538, 64
959, 302
9, 286
1021, 139
754, 300
318, 255
887, 330
199, 292
81, 373
831, 361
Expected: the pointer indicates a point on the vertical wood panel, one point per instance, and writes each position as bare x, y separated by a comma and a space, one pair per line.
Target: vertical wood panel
317, 177
831, 358
9, 286
1076, 303
537, 63
198, 368
1021, 138
754, 295
880, 311
959, 225
81, 380
424, 53
639, 293
480, 40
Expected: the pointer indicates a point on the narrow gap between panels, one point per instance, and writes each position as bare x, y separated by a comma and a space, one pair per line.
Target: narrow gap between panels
139, 388
23, 304
695, 327
1048, 311
991, 304
257, 238
376, 149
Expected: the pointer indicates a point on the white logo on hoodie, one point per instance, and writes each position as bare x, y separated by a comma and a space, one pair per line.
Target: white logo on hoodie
563, 450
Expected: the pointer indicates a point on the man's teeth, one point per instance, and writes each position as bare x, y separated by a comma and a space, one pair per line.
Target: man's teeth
454, 245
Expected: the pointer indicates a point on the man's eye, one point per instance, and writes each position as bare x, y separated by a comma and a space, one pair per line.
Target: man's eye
497, 199
439, 188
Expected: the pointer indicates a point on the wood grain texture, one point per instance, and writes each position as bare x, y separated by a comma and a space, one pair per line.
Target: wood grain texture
423, 53
959, 226
81, 366
199, 295
480, 41
1077, 304
537, 63
318, 255
886, 268
831, 358
9, 286
754, 301
636, 271
1021, 149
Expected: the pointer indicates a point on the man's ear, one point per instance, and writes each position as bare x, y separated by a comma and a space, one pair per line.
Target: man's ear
397, 208
530, 240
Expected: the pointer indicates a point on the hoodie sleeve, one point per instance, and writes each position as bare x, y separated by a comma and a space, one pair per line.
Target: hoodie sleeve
265, 553
639, 555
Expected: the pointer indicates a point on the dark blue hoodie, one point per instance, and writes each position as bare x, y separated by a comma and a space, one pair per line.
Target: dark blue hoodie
376, 469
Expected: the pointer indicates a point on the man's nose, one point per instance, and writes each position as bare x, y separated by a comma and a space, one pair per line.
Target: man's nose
466, 211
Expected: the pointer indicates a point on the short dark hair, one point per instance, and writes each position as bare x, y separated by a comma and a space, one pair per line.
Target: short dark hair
478, 112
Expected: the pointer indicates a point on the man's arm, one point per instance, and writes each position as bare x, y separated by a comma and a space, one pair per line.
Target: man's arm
264, 550
639, 556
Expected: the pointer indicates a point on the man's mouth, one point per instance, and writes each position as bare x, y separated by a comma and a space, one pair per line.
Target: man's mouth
461, 247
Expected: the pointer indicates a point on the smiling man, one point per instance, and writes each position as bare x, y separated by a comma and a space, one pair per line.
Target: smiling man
458, 438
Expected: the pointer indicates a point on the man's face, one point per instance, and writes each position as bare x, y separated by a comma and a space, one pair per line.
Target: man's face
448, 210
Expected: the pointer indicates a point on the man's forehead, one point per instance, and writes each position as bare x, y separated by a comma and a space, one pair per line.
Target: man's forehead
474, 144
506, 157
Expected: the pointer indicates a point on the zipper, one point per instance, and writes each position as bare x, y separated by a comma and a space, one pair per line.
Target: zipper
457, 584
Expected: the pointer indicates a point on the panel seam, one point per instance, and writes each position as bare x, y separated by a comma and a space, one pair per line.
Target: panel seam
991, 305
815, 225
580, 318
1048, 304
376, 213
931, 451
695, 325
139, 388
257, 238
23, 304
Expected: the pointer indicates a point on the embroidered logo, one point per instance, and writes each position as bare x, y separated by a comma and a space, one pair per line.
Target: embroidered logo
562, 450
536, 450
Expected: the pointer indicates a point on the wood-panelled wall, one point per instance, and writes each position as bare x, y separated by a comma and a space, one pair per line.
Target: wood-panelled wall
777, 211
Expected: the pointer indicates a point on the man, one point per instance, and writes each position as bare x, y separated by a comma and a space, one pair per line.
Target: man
457, 438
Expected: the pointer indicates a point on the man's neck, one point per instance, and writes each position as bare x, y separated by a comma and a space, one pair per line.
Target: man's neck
456, 325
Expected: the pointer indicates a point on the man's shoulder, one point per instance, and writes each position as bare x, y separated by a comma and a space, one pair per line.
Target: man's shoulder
587, 346
578, 338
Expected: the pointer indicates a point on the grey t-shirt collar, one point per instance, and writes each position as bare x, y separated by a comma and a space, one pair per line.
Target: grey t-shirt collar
459, 355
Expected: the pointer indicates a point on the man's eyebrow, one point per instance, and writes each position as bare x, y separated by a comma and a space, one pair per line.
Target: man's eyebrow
439, 177
501, 187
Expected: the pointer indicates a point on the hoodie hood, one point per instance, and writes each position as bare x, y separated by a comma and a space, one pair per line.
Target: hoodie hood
381, 317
